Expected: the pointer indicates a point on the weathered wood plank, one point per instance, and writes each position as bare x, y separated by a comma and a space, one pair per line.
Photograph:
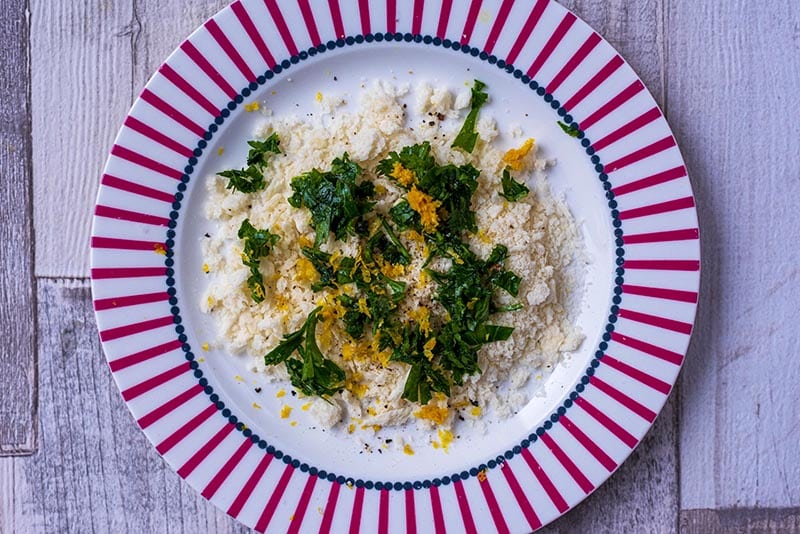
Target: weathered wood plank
80, 92
733, 73
741, 521
17, 296
94, 470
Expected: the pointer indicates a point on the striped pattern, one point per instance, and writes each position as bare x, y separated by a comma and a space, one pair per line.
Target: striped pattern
561, 466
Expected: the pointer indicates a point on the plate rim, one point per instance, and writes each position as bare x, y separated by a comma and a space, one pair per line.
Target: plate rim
201, 33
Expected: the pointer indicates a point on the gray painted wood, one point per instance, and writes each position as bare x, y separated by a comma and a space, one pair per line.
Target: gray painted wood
94, 470
17, 303
733, 73
81, 90
741, 521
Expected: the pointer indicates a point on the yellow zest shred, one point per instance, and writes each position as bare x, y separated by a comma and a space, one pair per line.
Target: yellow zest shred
416, 236
431, 412
475, 411
206, 268
286, 411
445, 439
305, 241
515, 156
319, 96
482, 475
408, 450
258, 291
252, 106
305, 407
393, 271
293, 423
421, 316
204, 346
423, 204
484, 237
238, 378
305, 270
403, 176
363, 308
159, 249
351, 428
427, 348
257, 406
281, 393
372, 411
220, 151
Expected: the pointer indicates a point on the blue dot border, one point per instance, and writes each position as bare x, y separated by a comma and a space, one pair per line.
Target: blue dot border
562, 114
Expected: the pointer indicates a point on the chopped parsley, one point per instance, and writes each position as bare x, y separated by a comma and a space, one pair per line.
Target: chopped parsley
312, 373
257, 244
571, 130
467, 136
251, 178
512, 190
336, 201
450, 187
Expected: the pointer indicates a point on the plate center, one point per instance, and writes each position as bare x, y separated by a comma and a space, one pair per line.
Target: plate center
342, 72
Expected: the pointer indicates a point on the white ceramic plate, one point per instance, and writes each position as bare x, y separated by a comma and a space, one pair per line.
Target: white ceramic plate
623, 178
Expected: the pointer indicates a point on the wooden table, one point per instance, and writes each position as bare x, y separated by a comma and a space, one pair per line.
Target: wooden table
722, 457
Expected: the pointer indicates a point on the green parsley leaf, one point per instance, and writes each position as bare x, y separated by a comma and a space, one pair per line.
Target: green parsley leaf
313, 374
251, 178
248, 180
259, 150
257, 244
512, 190
403, 216
570, 130
336, 202
322, 264
424, 377
467, 137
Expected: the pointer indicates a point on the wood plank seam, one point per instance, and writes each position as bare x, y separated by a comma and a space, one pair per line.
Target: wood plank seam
18, 419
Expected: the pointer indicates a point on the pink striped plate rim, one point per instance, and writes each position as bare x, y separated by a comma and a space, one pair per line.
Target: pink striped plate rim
624, 144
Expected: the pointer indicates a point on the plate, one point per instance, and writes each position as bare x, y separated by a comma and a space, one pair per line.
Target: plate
622, 176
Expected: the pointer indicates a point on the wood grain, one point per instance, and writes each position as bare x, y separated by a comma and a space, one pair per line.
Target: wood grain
94, 470
741, 521
81, 91
733, 74
17, 302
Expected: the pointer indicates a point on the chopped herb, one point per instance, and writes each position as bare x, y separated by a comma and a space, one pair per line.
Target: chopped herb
251, 178
424, 377
571, 130
450, 185
247, 180
322, 263
512, 190
259, 150
403, 216
257, 245
336, 202
467, 137
387, 244
313, 373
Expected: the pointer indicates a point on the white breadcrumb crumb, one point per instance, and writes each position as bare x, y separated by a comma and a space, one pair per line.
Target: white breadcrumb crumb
539, 231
